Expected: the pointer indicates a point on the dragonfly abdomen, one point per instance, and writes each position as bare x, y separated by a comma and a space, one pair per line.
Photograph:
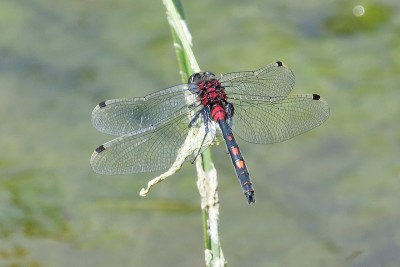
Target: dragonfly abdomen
218, 113
237, 160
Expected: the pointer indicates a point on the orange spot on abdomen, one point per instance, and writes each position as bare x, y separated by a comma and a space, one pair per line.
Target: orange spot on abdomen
240, 163
235, 151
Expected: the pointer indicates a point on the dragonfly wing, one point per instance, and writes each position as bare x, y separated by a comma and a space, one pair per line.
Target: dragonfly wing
271, 120
274, 80
155, 148
126, 115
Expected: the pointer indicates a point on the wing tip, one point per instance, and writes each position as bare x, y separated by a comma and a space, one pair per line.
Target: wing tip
96, 161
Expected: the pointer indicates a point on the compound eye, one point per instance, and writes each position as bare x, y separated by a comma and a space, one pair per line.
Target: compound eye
194, 78
209, 75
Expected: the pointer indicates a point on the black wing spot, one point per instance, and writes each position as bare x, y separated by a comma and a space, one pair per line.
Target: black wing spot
279, 63
315, 97
100, 149
102, 104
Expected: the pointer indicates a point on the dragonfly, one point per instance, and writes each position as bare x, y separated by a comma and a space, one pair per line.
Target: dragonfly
253, 105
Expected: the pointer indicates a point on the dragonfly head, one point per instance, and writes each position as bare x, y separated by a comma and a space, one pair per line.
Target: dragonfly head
199, 77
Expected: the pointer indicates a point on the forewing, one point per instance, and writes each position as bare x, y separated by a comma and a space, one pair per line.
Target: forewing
127, 115
266, 120
274, 80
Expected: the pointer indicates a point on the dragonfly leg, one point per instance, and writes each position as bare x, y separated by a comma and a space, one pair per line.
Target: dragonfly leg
229, 113
194, 120
205, 113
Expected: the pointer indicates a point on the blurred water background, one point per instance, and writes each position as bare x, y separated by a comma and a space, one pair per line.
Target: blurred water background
326, 198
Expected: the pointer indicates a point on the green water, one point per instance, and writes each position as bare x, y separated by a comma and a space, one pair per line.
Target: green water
326, 198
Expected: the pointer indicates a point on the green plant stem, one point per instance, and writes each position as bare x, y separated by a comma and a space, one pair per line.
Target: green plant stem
207, 175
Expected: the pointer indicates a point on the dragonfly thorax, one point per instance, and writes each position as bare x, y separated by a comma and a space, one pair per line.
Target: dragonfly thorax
210, 93
213, 97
